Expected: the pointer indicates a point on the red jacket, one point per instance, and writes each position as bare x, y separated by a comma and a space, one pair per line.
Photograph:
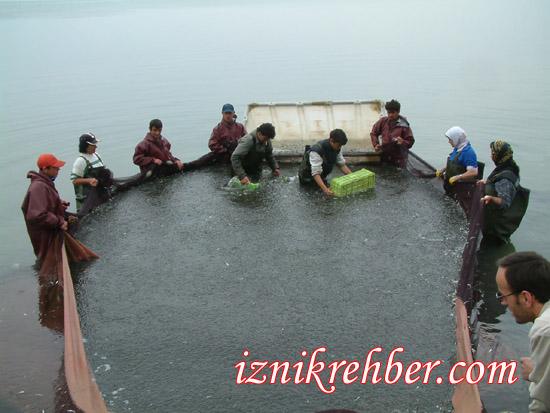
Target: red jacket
225, 137
387, 131
43, 211
150, 148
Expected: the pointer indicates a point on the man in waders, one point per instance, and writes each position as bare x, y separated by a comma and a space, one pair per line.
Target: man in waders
523, 280
153, 155
250, 153
392, 135
319, 160
223, 140
43, 209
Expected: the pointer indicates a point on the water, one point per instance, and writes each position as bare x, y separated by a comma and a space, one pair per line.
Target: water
275, 271
109, 67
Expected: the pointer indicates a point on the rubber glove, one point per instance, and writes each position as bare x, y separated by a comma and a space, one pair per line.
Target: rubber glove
438, 173
453, 179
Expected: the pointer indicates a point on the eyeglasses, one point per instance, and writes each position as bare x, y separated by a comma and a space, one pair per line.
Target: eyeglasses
500, 296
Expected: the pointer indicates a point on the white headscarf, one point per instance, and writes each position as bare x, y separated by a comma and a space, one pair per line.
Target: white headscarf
457, 135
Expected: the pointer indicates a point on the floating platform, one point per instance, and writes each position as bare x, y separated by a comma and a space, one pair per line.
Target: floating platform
300, 124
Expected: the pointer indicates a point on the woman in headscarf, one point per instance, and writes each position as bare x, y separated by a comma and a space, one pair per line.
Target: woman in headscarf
505, 200
461, 172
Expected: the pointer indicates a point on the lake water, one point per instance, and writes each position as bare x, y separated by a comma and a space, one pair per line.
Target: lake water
109, 67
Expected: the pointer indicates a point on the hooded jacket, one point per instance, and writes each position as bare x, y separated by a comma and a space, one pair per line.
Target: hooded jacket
388, 131
150, 148
225, 137
43, 211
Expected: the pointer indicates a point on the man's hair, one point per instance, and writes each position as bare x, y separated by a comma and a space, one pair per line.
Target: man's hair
155, 123
527, 271
339, 136
267, 129
393, 106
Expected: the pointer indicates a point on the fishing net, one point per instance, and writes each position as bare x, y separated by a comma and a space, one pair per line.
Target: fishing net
56, 289
466, 397
55, 274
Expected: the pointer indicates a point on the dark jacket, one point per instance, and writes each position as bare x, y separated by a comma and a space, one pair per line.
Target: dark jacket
225, 137
249, 154
327, 154
150, 148
43, 211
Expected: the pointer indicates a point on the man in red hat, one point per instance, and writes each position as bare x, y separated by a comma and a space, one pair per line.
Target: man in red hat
43, 209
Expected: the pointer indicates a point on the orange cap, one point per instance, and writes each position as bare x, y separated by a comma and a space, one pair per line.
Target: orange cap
47, 159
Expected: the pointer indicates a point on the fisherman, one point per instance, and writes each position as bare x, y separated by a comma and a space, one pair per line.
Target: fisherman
523, 280
153, 155
43, 209
461, 172
505, 199
319, 160
251, 151
223, 140
88, 170
392, 135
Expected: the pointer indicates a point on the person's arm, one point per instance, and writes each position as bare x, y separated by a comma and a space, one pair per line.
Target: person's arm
506, 191
271, 160
167, 147
214, 143
469, 176
375, 133
37, 210
469, 160
407, 138
341, 162
319, 181
242, 149
316, 163
78, 172
540, 375
141, 155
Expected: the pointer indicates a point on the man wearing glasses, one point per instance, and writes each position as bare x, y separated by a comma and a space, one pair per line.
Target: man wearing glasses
523, 281
392, 135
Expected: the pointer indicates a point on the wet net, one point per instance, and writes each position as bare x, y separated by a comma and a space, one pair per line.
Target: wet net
56, 282
83, 390
466, 397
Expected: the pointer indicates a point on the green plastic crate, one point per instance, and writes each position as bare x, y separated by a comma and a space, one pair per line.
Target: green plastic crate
353, 183
235, 183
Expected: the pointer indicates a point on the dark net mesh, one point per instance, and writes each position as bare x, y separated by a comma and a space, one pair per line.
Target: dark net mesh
56, 280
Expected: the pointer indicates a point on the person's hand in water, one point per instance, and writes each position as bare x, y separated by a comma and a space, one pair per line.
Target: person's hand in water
277, 172
245, 181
